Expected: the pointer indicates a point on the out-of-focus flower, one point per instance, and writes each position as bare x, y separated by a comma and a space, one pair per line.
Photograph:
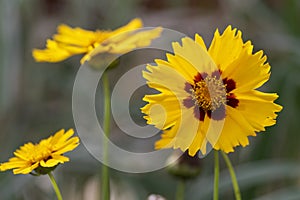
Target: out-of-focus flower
155, 197
72, 41
209, 96
44, 156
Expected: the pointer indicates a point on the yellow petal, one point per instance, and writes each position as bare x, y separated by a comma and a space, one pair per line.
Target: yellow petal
225, 48
160, 77
61, 136
60, 158
195, 54
132, 25
75, 36
50, 163
57, 136
22, 152
181, 65
200, 41
69, 145
211, 130
13, 163
164, 114
26, 169
258, 108
199, 142
52, 54
235, 131
125, 41
167, 139
248, 71
183, 133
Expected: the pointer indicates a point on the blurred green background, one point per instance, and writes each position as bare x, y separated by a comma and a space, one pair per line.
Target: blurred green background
36, 98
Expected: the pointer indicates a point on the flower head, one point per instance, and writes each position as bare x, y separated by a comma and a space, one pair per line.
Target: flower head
72, 41
209, 97
43, 156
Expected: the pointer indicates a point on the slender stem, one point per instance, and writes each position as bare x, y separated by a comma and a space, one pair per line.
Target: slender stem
55, 187
105, 194
235, 184
180, 190
216, 182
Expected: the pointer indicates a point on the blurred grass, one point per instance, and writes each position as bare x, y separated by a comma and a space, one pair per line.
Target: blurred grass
35, 98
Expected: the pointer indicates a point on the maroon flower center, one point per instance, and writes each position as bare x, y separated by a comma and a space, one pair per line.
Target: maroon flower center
209, 93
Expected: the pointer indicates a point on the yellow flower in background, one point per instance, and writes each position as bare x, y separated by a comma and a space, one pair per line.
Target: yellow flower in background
208, 96
43, 156
72, 41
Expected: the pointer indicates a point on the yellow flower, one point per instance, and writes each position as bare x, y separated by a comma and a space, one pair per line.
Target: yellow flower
208, 97
43, 156
72, 41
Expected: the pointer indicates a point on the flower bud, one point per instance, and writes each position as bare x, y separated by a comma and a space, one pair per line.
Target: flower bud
185, 167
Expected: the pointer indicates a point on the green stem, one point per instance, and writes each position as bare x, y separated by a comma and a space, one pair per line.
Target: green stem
55, 187
235, 184
180, 190
216, 181
105, 190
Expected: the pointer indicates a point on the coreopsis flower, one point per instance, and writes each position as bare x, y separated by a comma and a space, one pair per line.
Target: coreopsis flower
44, 156
209, 97
72, 41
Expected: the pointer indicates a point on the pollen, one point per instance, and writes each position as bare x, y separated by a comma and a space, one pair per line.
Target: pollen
209, 93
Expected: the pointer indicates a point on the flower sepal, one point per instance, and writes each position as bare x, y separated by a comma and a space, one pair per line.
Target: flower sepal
103, 61
43, 170
185, 167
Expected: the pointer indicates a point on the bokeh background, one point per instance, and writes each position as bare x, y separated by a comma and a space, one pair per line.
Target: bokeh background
36, 98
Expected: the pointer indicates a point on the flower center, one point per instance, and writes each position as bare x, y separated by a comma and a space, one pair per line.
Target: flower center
209, 93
